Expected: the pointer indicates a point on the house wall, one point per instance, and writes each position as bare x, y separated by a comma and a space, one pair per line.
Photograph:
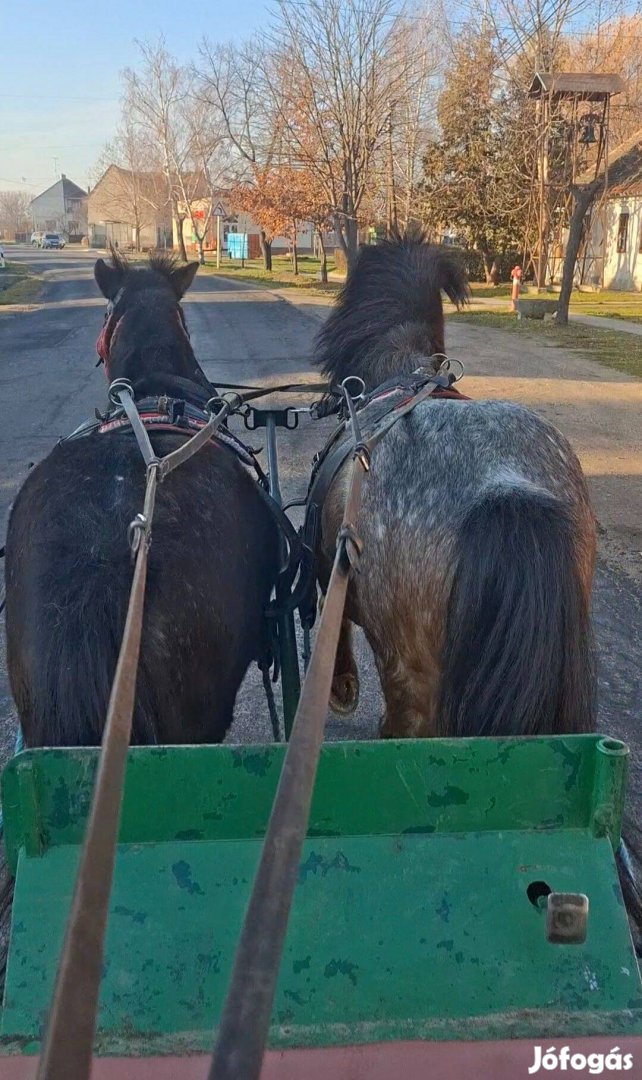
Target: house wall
623, 269
76, 216
111, 216
48, 210
52, 212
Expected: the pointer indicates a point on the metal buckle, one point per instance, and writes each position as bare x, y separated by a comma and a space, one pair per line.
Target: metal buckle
354, 379
120, 386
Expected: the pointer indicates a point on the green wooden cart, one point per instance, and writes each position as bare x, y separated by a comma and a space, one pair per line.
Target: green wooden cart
419, 936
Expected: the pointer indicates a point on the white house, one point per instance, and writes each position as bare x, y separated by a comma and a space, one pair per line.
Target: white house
612, 255
61, 208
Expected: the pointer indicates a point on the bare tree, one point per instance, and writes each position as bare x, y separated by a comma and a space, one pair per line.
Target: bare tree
336, 75
199, 164
232, 82
614, 45
154, 100
412, 119
14, 213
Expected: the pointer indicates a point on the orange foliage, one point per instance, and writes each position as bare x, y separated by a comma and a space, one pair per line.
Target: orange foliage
279, 199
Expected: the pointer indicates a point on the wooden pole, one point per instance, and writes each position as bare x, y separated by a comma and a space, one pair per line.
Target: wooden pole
543, 216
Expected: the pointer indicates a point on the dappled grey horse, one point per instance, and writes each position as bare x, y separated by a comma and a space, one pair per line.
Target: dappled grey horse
479, 538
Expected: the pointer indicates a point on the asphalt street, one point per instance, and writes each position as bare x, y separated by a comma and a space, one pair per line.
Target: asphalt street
49, 384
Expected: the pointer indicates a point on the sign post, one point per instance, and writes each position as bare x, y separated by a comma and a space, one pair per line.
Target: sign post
219, 213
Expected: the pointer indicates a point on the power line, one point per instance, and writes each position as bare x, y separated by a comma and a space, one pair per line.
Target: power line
57, 97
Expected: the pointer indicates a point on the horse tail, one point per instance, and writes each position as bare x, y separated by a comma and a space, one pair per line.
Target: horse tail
517, 656
628, 858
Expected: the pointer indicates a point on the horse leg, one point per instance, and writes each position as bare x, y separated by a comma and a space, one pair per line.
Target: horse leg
344, 696
410, 684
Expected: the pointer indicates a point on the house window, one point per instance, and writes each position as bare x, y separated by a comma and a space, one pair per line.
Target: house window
622, 232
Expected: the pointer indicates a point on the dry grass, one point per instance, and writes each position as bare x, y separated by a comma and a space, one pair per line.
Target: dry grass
24, 285
615, 348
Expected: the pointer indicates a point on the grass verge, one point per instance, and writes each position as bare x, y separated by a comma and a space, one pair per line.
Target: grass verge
281, 275
608, 304
615, 348
481, 291
23, 286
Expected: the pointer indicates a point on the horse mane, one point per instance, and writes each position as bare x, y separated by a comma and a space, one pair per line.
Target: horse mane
390, 312
163, 262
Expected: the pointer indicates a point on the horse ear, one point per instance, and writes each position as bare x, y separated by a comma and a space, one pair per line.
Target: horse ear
108, 278
182, 277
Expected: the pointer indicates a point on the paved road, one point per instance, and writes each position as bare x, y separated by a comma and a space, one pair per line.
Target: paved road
48, 384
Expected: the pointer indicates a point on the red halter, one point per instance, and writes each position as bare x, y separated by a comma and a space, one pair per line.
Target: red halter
110, 324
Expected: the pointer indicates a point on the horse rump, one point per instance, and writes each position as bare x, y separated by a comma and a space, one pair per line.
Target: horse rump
518, 654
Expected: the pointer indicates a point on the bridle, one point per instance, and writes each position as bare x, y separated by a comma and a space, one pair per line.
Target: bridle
112, 321
110, 325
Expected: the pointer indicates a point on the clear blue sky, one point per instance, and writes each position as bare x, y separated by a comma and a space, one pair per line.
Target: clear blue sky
59, 68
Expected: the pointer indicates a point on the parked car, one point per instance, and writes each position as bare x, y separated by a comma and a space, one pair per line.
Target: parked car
36, 237
52, 240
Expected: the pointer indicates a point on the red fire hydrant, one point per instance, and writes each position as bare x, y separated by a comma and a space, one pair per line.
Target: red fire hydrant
516, 278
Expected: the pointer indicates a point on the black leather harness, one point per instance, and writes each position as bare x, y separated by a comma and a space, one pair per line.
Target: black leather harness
381, 404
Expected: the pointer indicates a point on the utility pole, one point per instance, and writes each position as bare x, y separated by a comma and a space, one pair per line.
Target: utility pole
542, 247
391, 210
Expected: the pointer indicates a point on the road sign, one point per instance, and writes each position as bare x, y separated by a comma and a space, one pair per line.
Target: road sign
219, 210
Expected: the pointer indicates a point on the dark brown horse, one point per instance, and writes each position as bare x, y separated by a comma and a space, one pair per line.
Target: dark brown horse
213, 558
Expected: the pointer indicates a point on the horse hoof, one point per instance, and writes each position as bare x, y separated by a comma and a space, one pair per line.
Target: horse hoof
344, 697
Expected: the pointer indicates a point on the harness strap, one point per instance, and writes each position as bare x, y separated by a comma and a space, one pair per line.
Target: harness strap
79, 970
123, 393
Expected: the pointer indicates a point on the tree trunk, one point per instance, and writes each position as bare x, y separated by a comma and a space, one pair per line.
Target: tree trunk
266, 250
181, 239
295, 252
339, 230
489, 266
324, 258
582, 200
351, 241
200, 240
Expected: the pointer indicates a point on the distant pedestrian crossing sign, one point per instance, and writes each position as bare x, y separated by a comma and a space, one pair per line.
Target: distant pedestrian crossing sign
219, 210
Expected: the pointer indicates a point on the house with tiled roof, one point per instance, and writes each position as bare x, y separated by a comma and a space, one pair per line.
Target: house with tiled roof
62, 208
612, 256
